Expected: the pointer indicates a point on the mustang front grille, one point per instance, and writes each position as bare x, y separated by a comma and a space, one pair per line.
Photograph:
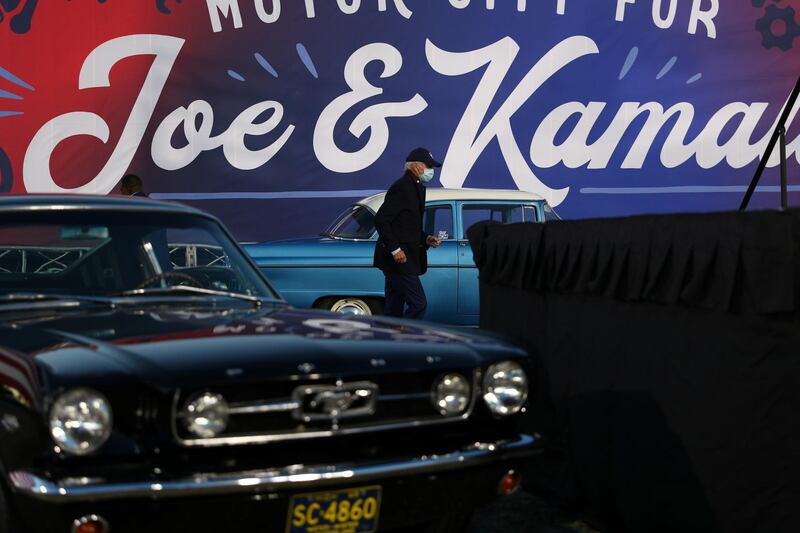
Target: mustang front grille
303, 410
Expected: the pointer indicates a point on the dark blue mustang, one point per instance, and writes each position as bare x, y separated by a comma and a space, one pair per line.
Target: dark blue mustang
148, 369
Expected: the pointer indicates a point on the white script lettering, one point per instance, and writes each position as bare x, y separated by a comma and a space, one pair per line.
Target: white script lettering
373, 118
232, 140
706, 148
95, 73
468, 143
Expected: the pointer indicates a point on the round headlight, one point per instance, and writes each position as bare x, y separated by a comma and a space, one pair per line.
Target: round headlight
80, 421
206, 415
451, 394
505, 388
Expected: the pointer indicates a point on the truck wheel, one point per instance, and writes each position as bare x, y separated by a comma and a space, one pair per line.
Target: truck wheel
352, 306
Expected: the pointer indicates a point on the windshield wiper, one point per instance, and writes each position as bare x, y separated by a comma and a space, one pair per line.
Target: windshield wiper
23, 297
16, 301
176, 289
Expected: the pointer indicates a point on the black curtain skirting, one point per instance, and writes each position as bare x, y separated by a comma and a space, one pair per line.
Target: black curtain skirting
668, 356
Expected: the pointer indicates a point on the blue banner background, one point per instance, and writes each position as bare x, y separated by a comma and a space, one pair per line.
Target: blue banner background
294, 194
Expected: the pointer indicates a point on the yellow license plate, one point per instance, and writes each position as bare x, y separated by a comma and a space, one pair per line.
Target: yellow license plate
342, 511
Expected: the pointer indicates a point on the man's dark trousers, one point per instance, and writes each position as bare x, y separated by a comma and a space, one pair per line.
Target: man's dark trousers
402, 290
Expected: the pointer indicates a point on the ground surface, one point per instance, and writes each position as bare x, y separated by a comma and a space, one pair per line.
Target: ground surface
524, 513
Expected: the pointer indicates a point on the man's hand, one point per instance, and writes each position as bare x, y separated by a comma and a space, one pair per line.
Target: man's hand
400, 257
433, 242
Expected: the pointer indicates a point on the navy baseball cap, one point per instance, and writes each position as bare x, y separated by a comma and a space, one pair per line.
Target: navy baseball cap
423, 155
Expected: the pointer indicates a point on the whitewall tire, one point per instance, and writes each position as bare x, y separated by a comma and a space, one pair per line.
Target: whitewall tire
351, 306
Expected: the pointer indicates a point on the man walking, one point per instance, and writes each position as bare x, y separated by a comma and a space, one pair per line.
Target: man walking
401, 250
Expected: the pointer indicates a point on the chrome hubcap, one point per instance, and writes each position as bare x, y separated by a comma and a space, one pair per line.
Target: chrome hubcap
351, 306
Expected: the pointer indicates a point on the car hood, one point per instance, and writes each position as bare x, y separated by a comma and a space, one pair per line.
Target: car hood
169, 348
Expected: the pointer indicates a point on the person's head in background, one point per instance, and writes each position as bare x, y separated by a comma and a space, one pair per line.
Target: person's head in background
131, 185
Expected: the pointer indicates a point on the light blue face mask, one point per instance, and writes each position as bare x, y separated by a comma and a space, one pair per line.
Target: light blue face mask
427, 175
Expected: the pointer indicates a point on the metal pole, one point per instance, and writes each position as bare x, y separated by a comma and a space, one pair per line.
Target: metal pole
771, 146
784, 186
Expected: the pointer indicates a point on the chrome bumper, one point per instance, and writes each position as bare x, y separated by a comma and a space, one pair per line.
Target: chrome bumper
288, 478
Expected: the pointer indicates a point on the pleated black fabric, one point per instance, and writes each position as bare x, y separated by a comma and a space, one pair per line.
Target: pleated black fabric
667, 351
723, 261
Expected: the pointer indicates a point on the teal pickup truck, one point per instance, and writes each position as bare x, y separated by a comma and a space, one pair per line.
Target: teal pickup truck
334, 270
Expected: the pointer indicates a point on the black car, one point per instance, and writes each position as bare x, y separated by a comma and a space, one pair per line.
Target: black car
151, 379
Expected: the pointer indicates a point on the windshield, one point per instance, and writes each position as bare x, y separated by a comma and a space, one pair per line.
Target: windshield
111, 253
549, 212
357, 222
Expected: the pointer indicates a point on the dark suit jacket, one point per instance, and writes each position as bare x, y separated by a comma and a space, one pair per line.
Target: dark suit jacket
399, 225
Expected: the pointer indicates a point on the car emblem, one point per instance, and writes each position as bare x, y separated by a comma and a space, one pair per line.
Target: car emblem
334, 402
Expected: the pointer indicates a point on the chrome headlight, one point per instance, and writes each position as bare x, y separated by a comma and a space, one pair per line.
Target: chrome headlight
206, 415
505, 388
80, 421
451, 394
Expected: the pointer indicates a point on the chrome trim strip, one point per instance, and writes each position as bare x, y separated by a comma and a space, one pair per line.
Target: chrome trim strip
348, 239
256, 408
283, 437
286, 478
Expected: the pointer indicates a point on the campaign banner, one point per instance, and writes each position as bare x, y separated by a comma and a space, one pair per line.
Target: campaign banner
277, 114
